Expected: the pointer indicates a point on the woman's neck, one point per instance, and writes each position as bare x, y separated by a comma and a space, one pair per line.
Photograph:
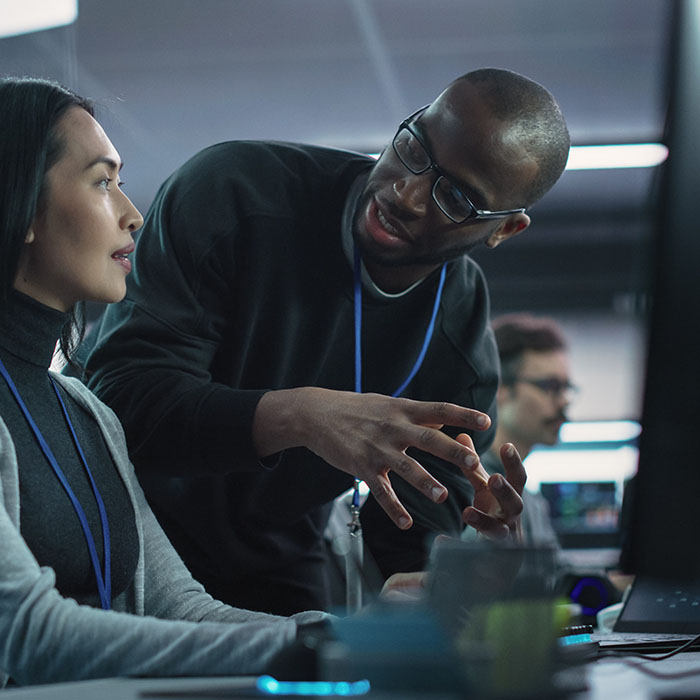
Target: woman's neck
29, 329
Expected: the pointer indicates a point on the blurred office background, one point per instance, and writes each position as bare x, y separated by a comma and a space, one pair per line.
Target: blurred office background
173, 76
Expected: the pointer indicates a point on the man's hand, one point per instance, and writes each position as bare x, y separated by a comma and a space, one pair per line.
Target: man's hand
498, 502
367, 435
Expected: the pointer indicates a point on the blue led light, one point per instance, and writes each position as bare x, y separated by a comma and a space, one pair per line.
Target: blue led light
271, 686
572, 639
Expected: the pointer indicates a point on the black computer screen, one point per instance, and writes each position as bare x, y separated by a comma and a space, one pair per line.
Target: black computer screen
664, 539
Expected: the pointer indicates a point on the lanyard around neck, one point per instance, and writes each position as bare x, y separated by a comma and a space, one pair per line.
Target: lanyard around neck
358, 328
104, 581
357, 270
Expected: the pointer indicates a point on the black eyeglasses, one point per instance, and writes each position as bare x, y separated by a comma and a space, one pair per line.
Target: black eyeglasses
414, 154
553, 386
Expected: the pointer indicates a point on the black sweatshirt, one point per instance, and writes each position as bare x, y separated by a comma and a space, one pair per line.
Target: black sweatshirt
240, 285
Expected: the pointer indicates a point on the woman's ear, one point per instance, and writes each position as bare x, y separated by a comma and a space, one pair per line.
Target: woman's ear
29, 238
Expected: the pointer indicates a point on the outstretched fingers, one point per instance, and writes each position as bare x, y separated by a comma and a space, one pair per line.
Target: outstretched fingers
473, 470
386, 497
444, 413
498, 504
378, 430
501, 518
412, 472
487, 525
515, 471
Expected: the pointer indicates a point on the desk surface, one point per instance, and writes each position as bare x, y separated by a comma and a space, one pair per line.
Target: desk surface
607, 680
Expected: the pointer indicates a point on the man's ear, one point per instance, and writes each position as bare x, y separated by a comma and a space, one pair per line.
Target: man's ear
509, 227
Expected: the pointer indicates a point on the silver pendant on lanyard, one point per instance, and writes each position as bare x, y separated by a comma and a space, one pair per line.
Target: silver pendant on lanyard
354, 556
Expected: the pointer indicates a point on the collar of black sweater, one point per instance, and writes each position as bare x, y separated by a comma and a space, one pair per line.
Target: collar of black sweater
29, 329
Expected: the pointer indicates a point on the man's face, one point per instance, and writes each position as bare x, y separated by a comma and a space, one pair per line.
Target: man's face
528, 413
398, 225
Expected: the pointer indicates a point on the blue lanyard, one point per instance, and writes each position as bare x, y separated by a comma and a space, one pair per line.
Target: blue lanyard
358, 341
104, 582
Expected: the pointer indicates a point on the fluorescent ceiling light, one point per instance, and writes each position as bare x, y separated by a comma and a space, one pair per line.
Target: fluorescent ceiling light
629, 155
594, 464
600, 431
22, 16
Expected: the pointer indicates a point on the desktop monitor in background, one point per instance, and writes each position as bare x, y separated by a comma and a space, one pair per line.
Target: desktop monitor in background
664, 537
583, 478
584, 514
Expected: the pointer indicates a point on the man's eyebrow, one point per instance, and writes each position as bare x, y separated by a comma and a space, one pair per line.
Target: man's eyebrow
110, 162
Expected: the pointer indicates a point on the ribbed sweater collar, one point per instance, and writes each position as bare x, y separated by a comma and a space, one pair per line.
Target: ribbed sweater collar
29, 329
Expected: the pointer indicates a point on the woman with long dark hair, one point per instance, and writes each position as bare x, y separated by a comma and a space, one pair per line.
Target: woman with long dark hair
89, 584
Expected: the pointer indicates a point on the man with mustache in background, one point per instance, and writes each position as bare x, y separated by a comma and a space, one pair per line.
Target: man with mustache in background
534, 394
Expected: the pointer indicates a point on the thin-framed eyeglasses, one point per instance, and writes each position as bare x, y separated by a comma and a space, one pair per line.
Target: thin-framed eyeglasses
412, 151
553, 386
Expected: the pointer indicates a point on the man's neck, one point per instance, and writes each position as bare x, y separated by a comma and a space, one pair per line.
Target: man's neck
394, 280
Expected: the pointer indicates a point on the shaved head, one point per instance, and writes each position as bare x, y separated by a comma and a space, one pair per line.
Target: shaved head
534, 121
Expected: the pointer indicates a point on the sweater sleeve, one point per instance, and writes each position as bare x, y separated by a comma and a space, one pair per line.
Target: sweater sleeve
48, 638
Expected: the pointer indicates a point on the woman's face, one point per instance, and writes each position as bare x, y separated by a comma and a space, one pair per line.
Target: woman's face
77, 247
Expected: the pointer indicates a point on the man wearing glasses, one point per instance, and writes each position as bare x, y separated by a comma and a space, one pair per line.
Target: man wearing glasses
300, 316
534, 394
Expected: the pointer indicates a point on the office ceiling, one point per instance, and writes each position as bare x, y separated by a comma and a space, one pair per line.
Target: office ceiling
174, 76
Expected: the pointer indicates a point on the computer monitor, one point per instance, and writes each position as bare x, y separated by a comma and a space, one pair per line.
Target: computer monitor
584, 514
664, 537
583, 478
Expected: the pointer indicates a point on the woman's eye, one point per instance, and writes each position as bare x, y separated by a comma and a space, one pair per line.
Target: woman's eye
105, 183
